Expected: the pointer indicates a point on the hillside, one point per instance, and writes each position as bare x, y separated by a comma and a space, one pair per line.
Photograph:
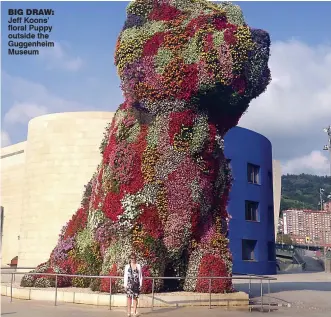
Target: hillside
302, 191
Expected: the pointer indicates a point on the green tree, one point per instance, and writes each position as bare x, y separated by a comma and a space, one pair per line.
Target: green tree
302, 191
284, 238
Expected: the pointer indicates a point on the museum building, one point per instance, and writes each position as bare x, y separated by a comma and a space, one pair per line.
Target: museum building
42, 180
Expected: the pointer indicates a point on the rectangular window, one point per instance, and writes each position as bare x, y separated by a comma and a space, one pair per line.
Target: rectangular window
253, 172
248, 248
271, 251
251, 210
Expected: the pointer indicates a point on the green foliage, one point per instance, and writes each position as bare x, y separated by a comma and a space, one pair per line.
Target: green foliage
302, 191
44, 282
27, 281
284, 238
105, 139
95, 284
162, 59
82, 282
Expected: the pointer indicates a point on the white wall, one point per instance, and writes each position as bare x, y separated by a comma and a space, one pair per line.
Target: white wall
12, 187
277, 187
61, 156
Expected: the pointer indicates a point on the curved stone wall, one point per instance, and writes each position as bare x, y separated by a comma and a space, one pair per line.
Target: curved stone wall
62, 154
12, 176
277, 187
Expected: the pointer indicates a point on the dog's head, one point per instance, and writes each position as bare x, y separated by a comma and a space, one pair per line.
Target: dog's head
175, 54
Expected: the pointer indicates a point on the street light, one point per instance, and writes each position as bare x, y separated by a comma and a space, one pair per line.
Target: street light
321, 198
325, 268
327, 147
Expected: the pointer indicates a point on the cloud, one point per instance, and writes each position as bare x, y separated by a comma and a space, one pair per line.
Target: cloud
23, 112
291, 113
314, 163
297, 104
5, 139
57, 57
25, 100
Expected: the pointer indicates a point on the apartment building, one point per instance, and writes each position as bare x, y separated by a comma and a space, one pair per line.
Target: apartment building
327, 206
308, 226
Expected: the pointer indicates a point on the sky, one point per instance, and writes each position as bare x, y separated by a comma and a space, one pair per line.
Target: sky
79, 74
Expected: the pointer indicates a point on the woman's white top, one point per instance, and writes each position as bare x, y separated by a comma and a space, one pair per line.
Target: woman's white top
126, 274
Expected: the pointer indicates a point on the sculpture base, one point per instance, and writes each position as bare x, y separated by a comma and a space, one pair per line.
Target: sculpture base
86, 296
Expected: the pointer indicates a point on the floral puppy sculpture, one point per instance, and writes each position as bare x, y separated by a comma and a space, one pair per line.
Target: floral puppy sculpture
188, 70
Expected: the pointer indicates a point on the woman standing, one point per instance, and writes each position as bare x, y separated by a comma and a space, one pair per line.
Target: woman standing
132, 283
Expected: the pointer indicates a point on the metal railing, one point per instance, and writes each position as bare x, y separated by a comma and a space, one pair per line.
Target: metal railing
15, 268
251, 278
298, 257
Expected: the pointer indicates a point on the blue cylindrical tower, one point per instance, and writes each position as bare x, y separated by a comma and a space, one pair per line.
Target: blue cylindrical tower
251, 229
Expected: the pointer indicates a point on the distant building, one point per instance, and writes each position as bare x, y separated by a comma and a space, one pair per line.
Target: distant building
308, 226
327, 206
280, 226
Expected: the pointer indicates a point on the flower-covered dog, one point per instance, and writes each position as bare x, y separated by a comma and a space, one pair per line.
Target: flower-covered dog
188, 70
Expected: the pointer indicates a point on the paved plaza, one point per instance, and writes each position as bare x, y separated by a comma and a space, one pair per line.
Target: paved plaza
23, 308
307, 294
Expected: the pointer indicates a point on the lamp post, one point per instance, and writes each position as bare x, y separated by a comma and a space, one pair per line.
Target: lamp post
325, 268
327, 147
321, 198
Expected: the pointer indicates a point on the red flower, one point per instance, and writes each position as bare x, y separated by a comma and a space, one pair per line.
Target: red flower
150, 221
190, 82
179, 119
105, 282
229, 34
212, 265
195, 219
96, 195
147, 283
109, 148
62, 281
220, 23
112, 206
137, 180
69, 265
196, 24
209, 44
77, 223
152, 45
164, 12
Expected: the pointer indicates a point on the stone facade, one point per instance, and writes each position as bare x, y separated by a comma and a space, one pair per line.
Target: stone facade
277, 188
42, 187
12, 177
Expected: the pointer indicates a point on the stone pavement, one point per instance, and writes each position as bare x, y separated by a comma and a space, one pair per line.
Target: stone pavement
309, 294
306, 292
23, 308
